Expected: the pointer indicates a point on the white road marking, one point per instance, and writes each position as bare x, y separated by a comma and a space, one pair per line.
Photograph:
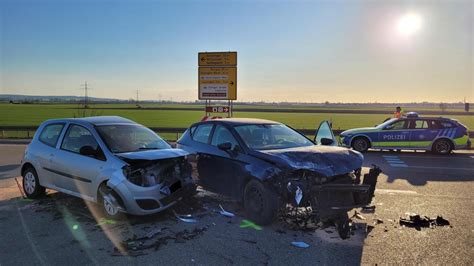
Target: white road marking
394, 161
395, 191
399, 165
472, 157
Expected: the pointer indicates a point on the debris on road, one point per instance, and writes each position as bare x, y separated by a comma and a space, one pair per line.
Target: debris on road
136, 246
153, 233
225, 213
300, 244
187, 218
298, 195
358, 216
368, 209
416, 221
378, 221
250, 224
104, 221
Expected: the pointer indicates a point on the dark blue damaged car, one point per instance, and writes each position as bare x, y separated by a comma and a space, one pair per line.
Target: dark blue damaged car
268, 165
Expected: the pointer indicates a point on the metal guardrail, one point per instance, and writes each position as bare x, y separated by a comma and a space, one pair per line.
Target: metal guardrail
178, 130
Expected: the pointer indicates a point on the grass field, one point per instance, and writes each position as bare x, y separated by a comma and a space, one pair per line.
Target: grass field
34, 114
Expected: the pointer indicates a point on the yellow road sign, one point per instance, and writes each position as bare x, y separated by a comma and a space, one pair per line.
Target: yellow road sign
217, 83
218, 59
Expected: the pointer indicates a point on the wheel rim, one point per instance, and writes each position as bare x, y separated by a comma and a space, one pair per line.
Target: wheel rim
360, 145
255, 202
29, 183
442, 147
109, 207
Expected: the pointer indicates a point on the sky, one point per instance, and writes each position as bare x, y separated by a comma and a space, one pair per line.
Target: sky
307, 51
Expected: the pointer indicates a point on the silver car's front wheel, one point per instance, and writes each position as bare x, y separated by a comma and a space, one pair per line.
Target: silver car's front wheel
31, 184
110, 202
109, 207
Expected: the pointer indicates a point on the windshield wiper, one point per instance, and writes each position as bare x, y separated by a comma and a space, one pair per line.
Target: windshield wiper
146, 148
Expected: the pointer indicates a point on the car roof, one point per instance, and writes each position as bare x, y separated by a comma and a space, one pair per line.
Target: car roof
428, 117
242, 121
95, 120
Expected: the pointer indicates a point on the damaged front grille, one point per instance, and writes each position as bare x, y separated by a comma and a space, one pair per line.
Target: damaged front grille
170, 174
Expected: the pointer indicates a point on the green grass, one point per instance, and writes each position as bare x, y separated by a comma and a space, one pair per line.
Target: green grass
34, 114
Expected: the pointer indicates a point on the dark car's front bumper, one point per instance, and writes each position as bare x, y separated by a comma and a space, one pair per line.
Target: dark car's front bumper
341, 195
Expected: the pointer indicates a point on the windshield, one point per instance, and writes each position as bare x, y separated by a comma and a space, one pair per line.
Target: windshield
384, 124
130, 138
268, 136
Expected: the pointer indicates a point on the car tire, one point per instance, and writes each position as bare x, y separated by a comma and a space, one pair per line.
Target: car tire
109, 209
343, 226
442, 147
31, 185
360, 144
260, 202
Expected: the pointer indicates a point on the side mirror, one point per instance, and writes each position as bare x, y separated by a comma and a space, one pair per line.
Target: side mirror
326, 141
226, 146
88, 151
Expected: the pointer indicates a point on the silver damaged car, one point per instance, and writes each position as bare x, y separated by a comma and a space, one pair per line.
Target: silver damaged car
113, 161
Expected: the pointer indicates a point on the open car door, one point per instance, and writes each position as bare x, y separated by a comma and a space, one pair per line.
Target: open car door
324, 135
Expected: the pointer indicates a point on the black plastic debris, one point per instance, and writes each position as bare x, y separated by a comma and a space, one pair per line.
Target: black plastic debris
416, 221
368, 209
137, 246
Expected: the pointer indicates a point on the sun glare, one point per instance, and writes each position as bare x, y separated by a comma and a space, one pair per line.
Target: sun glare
409, 24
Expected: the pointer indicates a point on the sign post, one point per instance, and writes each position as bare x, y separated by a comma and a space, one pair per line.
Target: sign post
217, 80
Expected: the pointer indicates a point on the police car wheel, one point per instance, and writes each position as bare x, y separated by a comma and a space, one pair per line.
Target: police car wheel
442, 147
360, 144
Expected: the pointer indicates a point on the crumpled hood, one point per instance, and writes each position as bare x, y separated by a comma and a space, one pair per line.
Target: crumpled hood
358, 130
151, 155
325, 160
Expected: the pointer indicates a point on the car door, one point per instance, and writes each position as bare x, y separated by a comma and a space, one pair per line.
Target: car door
227, 161
46, 153
395, 134
421, 133
78, 171
200, 136
324, 135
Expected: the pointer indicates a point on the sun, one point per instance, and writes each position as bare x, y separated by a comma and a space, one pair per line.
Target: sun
409, 24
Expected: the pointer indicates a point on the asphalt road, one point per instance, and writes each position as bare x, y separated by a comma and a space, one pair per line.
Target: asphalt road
60, 229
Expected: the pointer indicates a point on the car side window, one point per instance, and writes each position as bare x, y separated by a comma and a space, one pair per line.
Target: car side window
50, 134
419, 124
223, 135
433, 124
446, 124
77, 137
202, 132
397, 125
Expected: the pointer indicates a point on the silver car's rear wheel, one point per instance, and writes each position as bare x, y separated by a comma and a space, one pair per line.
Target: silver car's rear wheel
31, 185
